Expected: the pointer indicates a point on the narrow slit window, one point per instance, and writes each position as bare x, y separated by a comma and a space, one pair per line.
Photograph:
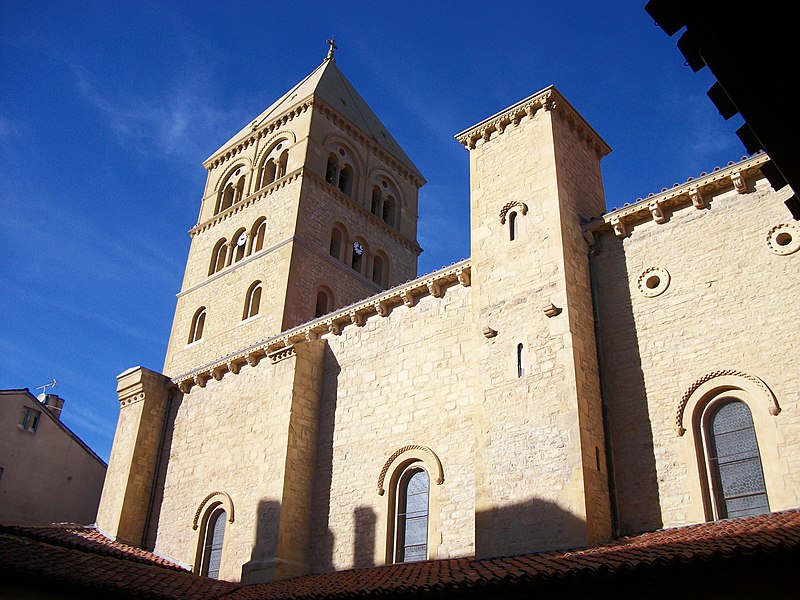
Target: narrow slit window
512, 225
520, 360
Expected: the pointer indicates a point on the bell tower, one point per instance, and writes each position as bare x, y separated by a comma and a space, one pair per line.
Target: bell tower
310, 207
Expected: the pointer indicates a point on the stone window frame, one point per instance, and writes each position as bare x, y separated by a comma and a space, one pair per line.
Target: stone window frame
692, 449
30, 419
239, 172
212, 504
344, 239
219, 253
197, 329
273, 163
252, 298
403, 459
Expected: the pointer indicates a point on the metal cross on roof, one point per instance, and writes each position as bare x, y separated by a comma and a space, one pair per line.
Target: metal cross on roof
331, 49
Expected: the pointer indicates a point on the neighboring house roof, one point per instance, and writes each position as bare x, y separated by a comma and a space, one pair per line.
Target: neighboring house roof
82, 558
328, 83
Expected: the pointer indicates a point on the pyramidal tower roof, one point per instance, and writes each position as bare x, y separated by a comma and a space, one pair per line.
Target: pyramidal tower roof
329, 84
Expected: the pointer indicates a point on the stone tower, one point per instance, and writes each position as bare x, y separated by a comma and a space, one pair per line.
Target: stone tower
539, 452
309, 208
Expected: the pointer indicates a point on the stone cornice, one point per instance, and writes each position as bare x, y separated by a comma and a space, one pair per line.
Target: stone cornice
693, 192
281, 346
348, 202
548, 99
268, 128
250, 200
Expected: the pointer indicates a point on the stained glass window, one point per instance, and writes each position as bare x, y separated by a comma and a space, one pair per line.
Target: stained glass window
412, 516
212, 548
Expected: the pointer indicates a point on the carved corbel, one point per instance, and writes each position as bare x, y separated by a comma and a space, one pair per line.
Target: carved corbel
234, 367
200, 380
185, 385
435, 289
218, 373
252, 359
486, 134
619, 227
381, 308
738, 182
408, 298
488, 332
517, 117
312, 335
334, 328
551, 310
357, 319
500, 126
656, 212
697, 198
463, 277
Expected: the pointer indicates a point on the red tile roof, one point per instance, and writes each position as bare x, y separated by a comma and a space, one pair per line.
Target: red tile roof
665, 548
85, 560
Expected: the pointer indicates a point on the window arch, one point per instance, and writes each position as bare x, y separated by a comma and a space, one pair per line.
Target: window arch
411, 515
388, 212
512, 225
198, 324
380, 269
332, 170
324, 302
252, 302
358, 259
211, 551
375, 206
283, 161
338, 241
232, 191
273, 165
218, 256
734, 462
239, 242
257, 235
346, 180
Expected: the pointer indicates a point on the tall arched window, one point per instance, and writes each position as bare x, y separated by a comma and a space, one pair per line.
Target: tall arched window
283, 161
252, 302
268, 172
258, 234
218, 256
512, 225
332, 169
337, 243
211, 556
346, 180
323, 303
273, 165
375, 206
411, 519
377, 269
240, 245
388, 215
359, 256
232, 191
734, 462
198, 323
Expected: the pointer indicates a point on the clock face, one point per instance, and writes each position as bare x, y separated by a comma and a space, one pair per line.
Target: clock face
242, 240
358, 248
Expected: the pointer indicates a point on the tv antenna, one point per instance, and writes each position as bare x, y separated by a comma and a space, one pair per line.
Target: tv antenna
44, 387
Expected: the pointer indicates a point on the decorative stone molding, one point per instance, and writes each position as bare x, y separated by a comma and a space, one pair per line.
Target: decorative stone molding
379, 305
551, 310
504, 211
435, 289
694, 192
729, 379
783, 239
549, 99
357, 318
653, 282
488, 332
223, 499
428, 457
281, 354
657, 213
200, 380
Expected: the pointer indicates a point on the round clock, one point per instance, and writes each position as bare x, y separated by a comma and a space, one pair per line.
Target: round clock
242, 240
358, 248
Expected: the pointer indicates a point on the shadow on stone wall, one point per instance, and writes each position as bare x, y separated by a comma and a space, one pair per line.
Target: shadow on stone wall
322, 540
364, 521
151, 528
531, 526
628, 425
262, 563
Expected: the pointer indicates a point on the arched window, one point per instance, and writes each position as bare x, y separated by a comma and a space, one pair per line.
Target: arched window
346, 180
240, 245
734, 462
252, 302
218, 256
268, 172
232, 191
377, 269
375, 207
411, 518
388, 211
359, 256
332, 169
323, 304
198, 323
520, 360
257, 234
337, 243
211, 551
283, 161
512, 225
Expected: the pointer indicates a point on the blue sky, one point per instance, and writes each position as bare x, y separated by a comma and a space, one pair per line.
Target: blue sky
108, 109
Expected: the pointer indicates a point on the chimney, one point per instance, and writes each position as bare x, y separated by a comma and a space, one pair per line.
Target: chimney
54, 404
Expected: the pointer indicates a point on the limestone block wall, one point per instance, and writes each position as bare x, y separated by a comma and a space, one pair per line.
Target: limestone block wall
730, 305
399, 380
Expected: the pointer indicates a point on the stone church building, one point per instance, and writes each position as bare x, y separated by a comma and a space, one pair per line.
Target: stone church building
581, 376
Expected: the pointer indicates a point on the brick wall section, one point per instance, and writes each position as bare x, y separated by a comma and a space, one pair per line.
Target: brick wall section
727, 307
